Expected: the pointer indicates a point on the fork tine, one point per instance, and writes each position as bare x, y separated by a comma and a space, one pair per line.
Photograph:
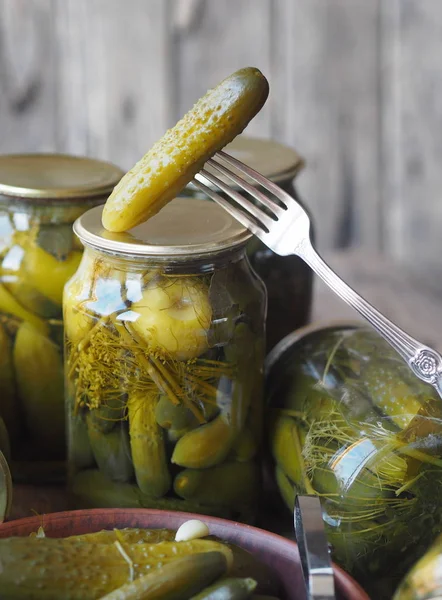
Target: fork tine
257, 213
236, 214
263, 181
275, 208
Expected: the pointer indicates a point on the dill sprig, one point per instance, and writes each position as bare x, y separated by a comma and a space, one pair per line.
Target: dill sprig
112, 360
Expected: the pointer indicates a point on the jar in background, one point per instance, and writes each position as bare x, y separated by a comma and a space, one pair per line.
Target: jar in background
164, 330
289, 281
40, 197
349, 421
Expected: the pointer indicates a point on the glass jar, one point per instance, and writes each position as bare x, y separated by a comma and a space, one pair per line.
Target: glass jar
164, 355
40, 197
289, 281
424, 580
351, 423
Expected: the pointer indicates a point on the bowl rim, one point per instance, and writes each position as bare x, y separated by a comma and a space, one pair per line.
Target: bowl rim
345, 582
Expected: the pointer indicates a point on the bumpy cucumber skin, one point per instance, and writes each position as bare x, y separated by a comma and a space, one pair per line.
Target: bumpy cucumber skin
176, 580
228, 589
128, 535
214, 121
148, 447
51, 569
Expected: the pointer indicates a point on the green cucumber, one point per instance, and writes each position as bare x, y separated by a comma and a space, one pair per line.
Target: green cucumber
51, 569
232, 588
172, 162
178, 580
148, 446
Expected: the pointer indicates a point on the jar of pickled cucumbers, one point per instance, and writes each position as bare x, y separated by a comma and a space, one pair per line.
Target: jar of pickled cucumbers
424, 580
164, 328
350, 422
40, 197
288, 279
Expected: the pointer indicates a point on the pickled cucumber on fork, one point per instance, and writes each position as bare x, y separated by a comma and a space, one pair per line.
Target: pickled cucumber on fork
173, 161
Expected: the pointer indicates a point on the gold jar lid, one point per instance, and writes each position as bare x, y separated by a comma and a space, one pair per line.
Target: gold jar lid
275, 161
56, 176
184, 227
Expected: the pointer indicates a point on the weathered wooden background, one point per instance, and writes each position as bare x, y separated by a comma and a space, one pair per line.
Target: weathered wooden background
356, 88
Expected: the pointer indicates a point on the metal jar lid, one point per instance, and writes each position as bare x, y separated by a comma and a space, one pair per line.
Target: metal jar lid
184, 227
277, 162
56, 177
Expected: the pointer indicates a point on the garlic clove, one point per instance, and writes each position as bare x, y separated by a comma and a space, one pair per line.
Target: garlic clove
191, 530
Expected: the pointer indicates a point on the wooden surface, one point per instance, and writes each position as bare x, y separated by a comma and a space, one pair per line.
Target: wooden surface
413, 304
355, 88
409, 298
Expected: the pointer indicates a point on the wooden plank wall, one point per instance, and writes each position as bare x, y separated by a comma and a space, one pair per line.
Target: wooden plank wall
356, 88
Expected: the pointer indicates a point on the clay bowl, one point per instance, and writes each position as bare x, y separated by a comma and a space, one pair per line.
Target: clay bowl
277, 552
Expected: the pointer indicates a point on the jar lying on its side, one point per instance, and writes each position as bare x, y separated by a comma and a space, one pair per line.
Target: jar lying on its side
288, 279
164, 355
40, 198
352, 423
424, 580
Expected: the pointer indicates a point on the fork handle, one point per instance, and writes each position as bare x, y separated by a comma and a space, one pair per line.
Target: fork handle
425, 362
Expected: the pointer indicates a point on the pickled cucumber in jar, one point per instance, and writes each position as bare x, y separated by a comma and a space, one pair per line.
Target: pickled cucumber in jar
40, 197
164, 365
424, 580
351, 423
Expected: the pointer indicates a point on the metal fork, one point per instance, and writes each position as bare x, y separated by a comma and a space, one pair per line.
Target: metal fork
279, 221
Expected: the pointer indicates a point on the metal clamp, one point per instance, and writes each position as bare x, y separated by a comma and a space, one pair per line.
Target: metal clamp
313, 549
